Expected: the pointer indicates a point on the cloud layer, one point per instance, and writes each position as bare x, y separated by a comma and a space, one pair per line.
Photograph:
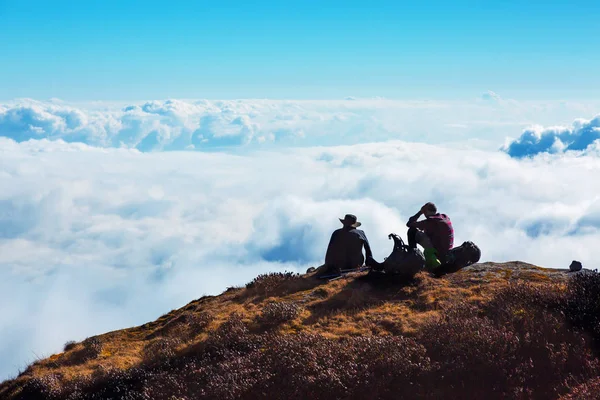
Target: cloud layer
249, 124
95, 239
582, 136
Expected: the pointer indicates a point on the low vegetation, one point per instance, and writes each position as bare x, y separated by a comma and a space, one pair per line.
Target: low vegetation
492, 331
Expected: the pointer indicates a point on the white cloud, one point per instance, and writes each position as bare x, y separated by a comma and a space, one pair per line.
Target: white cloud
95, 239
582, 136
247, 124
491, 96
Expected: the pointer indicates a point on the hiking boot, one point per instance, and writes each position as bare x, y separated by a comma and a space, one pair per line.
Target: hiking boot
431, 260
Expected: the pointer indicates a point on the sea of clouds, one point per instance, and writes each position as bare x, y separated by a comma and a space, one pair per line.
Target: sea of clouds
206, 125
101, 229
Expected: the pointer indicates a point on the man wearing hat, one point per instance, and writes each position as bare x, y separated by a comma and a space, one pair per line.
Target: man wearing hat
345, 246
435, 234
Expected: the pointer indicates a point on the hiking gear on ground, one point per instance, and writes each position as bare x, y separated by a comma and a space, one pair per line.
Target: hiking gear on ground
431, 259
459, 257
404, 260
350, 220
575, 266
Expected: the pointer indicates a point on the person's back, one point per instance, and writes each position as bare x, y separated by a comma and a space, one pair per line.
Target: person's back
345, 246
438, 228
345, 250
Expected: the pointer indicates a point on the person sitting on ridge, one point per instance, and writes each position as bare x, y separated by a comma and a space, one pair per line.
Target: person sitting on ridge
345, 247
435, 234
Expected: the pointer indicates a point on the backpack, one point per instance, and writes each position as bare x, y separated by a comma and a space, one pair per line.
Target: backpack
403, 261
459, 257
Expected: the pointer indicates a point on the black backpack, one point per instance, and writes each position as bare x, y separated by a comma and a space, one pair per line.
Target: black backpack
459, 257
404, 261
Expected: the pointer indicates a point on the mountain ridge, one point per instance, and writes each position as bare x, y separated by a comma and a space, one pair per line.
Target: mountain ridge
283, 313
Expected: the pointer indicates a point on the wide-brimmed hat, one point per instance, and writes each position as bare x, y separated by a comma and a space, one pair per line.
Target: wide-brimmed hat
350, 220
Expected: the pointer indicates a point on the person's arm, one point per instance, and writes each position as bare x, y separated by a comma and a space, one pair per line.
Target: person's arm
413, 220
330, 248
368, 252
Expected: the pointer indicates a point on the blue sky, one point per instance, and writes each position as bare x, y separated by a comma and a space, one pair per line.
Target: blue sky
126, 50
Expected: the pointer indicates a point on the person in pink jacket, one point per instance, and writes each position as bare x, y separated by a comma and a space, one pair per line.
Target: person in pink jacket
434, 233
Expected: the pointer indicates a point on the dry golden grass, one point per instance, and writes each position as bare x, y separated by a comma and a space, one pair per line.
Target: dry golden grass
350, 306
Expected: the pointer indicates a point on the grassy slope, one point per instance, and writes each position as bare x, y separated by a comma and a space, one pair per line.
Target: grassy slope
347, 307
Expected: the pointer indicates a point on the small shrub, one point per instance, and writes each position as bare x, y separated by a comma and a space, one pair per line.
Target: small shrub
277, 313
232, 335
70, 345
92, 347
198, 322
234, 326
270, 282
161, 349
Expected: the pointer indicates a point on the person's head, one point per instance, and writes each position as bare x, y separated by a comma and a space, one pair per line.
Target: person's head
350, 221
429, 209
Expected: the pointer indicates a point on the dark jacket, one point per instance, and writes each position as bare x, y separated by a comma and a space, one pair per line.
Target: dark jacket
345, 249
